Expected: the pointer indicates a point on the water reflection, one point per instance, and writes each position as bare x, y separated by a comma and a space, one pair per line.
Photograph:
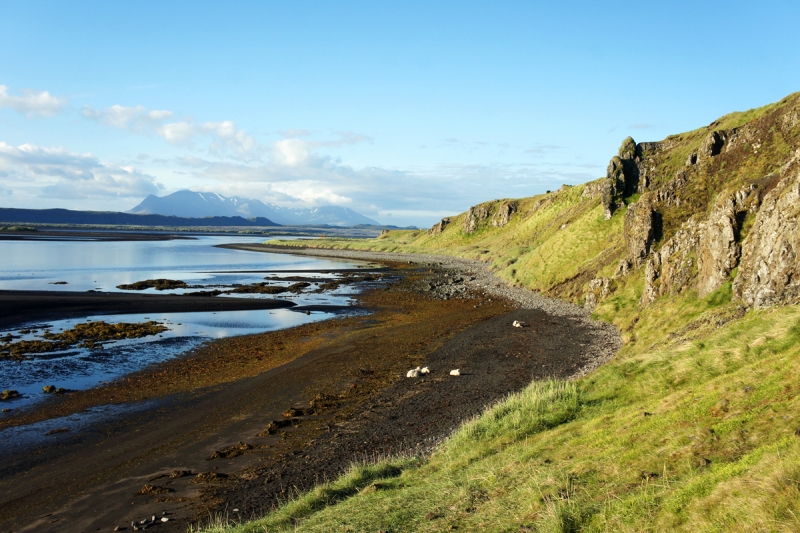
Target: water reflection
81, 368
102, 265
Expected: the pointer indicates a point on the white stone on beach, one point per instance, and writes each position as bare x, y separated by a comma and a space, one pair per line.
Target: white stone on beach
455, 372
425, 370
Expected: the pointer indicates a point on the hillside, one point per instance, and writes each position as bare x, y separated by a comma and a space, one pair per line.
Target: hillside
691, 246
186, 203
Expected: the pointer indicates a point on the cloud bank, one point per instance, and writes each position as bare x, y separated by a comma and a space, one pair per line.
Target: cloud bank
226, 138
58, 173
297, 169
32, 103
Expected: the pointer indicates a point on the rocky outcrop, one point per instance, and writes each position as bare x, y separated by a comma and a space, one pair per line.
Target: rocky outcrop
475, 216
727, 217
623, 267
769, 273
712, 145
622, 177
613, 186
672, 269
701, 254
719, 250
593, 189
678, 259
669, 195
503, 214
597, 290
640, 225
439, 227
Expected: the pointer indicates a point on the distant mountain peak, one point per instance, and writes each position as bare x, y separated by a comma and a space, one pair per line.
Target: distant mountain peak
186, 203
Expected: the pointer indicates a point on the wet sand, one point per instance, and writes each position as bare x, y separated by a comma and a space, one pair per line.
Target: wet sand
86, 235
18, 307
221, 396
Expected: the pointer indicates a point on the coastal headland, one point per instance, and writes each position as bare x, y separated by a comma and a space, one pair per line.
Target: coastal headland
240, 424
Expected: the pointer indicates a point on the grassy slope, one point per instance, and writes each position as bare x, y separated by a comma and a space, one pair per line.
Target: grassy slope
691, 427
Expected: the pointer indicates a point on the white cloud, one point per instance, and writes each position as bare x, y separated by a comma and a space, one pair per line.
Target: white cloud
298, 177
311, 193
136, 119
295, 152
32, 103
290, 152
225, 136
228, 137
177, 132
56, 172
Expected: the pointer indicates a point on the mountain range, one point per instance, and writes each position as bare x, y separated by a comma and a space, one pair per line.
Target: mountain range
193, 204
10, 215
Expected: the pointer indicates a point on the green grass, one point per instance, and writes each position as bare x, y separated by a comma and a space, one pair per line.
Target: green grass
691, 427
716, 451
547, 244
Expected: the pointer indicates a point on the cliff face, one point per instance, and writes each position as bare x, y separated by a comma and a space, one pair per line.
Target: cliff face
691, 214
733, 202
769, 272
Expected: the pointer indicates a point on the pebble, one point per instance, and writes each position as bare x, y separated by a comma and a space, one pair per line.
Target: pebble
455, 372
164, 519
477, 276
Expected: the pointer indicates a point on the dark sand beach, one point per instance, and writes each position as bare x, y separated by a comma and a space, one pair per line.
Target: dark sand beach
17, 307
200, 447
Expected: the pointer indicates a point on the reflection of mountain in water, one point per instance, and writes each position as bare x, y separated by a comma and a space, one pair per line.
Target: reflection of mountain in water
198, 204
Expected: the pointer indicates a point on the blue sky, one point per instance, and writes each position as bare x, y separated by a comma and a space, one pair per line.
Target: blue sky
403, 111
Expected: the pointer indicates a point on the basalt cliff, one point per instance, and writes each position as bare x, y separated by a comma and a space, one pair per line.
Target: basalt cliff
698, 210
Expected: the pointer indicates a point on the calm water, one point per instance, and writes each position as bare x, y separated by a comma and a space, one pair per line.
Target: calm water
97, 265
92, 265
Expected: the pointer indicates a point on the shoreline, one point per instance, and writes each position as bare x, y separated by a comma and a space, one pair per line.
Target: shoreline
19, 307
228, 391
87, 235
598, 353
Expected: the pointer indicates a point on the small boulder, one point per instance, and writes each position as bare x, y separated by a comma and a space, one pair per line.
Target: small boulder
149, 490
273, 427
456, 372
440, 226
8, 394
49, 389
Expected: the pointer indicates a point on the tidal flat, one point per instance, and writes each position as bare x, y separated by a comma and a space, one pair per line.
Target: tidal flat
333, 392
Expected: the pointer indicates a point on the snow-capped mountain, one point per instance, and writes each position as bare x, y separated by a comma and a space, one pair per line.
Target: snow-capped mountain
204, 204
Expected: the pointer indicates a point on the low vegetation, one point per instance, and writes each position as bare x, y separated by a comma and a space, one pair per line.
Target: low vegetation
91, 335
18, 228
693, 426
157, 284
